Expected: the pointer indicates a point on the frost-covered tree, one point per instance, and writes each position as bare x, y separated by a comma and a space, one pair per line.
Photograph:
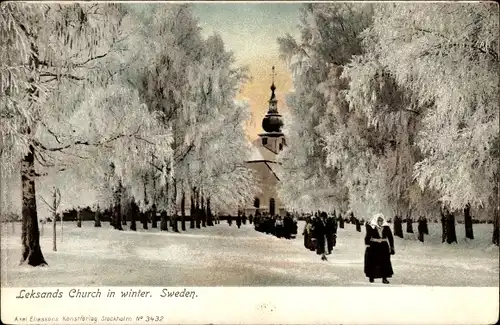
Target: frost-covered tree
219, 155
193, 82
329, 38
59, 100
43, 46
174, 51
407, 114
387, 131
446, 55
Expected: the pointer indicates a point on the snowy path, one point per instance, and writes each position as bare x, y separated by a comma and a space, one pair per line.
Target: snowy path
228, 256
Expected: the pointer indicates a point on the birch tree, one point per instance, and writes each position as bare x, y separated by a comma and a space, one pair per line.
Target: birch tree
329, 38
53, 49
449, 67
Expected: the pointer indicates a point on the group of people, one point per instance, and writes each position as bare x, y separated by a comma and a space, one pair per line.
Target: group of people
240, 219
320, 235
281, 227
320, 231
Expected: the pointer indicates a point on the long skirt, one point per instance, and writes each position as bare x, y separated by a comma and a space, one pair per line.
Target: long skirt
313, 244
331, 242
320, 245
307, 241
279, 231
378, 261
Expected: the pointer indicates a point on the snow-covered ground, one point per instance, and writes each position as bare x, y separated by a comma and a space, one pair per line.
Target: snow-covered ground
228, 256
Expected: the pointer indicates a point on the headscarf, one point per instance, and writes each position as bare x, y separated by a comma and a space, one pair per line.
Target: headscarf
374, 223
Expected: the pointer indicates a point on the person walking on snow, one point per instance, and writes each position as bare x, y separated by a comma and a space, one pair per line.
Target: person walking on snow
320, 233
331, 233
379, 248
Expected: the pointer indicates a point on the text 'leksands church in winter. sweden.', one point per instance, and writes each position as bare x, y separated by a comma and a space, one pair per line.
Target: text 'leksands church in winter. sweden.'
264, 160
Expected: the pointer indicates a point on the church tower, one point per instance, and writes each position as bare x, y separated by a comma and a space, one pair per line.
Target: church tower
263, 161
273, 139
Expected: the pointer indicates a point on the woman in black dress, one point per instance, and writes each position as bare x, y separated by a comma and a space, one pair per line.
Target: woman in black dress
379, 248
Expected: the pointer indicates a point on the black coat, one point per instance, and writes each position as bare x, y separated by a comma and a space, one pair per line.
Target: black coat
331, 233
378, 255
319, 234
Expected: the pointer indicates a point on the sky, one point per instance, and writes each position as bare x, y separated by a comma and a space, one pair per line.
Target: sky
250, 30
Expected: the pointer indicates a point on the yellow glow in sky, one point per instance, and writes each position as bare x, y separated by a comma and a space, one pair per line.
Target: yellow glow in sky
258, 92
250, 31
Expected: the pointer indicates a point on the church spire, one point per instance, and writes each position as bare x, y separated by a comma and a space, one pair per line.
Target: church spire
272, 122
273, 87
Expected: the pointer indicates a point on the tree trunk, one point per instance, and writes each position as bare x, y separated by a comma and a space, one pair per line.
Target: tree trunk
398, 227
111, 210
496, 203
183, 210
54, 222
496, 224
144, 217
444, 227
174, 207
357, 223
469, 232
154, 218
133, 216
125, 210
78, 219
192, 212
164, 221
117, 213
30, 236
202, 212
451, 233
421, 229
197, 209
209, 213
496, 208
341, 221
62, 217
97, 218
168, 209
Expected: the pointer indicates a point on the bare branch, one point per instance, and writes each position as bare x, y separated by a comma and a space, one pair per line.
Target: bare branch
51, 132
92, 58
47, 174
42, 161
157, 167
85, 143
43, 200
61, 75
181, 157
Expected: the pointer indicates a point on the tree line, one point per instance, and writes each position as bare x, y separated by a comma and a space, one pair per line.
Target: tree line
112, 104
395, 111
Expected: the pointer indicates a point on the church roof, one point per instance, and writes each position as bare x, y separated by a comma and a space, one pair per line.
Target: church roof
256, 155
277, 170
261, 153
